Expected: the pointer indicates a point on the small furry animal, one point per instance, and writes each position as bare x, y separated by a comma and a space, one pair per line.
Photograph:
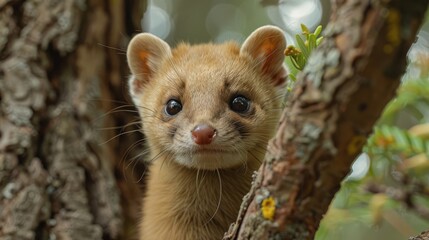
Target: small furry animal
207, 112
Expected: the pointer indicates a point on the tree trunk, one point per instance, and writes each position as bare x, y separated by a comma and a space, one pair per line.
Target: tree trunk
62, 63
57, 79
341, 93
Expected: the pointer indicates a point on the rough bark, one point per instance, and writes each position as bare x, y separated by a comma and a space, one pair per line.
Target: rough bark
422, 236
340, 95
56, 180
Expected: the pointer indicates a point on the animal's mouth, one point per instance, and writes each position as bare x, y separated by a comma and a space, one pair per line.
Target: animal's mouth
200, 151
210, 151
210, 158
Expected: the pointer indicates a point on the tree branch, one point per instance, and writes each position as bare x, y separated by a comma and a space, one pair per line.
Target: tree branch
340, 95
405, 195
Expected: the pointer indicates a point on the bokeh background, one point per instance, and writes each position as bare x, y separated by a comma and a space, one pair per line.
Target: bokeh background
386, 195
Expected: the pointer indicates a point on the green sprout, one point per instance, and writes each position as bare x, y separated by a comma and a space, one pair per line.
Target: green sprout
296, 57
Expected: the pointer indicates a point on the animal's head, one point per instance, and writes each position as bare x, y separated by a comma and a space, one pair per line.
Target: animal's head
208, 106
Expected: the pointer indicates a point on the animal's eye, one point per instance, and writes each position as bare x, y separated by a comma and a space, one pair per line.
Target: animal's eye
239, 104
173, 107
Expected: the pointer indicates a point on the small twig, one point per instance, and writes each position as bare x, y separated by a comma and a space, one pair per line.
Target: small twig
405, 196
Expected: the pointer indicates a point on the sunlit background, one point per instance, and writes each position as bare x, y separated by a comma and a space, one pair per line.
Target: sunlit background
217, 21
355, 213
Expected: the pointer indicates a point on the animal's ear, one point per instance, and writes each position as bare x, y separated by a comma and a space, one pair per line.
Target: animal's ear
266, 47
145, 54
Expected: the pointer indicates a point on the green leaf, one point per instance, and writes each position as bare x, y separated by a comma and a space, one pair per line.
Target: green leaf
318, 31
304, 29
410, 93
301, 61
302, 47
291, 67
297, 59
396, 141
401, 139
311, 42
296, 63
385, 131
418, 144
319, 40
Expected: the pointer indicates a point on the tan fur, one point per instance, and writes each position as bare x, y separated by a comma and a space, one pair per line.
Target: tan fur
180, 205
191, 194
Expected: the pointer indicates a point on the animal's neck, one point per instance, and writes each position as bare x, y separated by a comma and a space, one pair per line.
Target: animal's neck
199, 202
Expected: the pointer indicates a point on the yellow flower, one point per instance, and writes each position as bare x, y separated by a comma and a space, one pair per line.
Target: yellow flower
384, 141
292, 51
268, 208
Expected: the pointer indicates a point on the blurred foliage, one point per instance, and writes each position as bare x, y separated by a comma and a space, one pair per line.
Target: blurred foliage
411, 95
410, 148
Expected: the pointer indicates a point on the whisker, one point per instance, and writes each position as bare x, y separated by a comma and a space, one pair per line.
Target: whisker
142, 175
119, 127
115, 110
120, 134
220, 197
126, 155
113, 48
123, 103
162, 164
